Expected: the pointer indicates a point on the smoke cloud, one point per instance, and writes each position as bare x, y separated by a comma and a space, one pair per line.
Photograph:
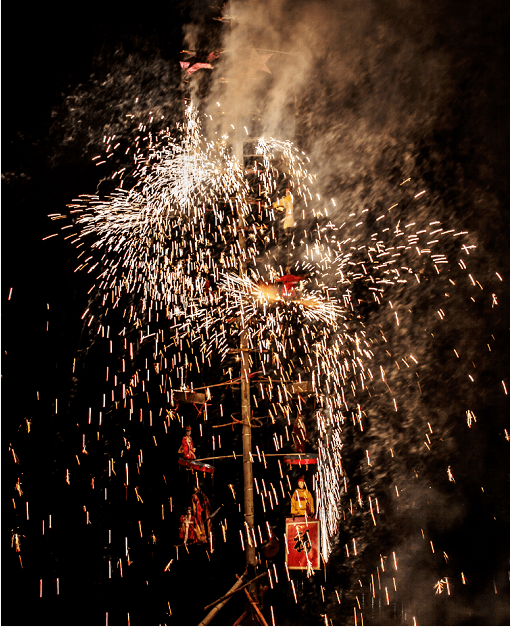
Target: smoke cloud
348, 81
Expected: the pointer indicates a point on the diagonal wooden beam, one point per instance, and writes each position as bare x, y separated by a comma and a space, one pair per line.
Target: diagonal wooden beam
241, 618
255, 606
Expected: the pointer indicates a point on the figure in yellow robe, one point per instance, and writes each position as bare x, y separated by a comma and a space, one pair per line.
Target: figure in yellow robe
301, 502
286, 204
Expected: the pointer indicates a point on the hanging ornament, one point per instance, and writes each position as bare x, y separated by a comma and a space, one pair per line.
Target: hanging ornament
303, 542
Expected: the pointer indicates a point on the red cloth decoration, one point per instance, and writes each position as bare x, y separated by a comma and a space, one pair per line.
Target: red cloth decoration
199, 66
289, 281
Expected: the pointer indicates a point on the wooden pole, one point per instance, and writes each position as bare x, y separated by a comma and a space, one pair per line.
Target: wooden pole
249, 518
241, 618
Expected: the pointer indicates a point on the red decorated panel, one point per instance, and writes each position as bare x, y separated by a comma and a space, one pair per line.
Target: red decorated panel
302, 543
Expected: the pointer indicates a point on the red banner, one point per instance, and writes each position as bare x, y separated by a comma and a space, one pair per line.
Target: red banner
302, 549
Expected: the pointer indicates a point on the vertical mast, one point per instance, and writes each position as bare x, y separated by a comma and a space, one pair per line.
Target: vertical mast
249, 517
246, 418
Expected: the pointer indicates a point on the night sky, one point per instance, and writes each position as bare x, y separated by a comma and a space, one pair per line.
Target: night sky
377, 94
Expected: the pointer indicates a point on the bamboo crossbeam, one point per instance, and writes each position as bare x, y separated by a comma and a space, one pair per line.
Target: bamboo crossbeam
206, 459
228, 424
303, 455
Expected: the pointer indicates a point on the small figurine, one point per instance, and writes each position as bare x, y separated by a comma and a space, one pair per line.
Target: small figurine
201, 508
186, 449
286, 204
299, 435
187, 528
301, 503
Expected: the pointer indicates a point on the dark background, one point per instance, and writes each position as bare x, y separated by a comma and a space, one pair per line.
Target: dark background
67, 81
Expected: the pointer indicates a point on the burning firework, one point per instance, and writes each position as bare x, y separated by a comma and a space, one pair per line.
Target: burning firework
193, 253
157, 248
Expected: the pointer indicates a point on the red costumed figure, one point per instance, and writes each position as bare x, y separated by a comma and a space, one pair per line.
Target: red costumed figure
299, 435
201, 509
186, 449
289, 282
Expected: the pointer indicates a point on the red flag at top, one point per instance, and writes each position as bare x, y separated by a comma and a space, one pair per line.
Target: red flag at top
199, 66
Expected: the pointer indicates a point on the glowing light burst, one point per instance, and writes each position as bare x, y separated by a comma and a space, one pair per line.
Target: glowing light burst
244, 298
157, 248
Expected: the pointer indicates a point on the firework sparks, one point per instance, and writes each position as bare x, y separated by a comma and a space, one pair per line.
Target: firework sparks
165, 256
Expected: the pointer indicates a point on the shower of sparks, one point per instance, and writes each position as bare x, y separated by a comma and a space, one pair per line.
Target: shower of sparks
188, 258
